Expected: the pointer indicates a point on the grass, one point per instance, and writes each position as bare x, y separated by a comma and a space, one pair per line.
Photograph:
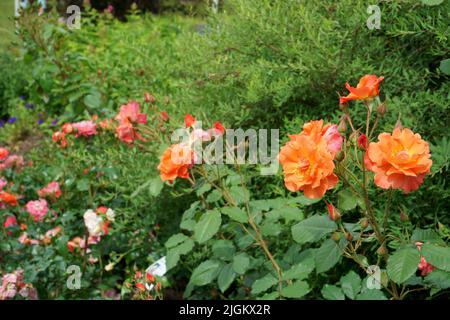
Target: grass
6, 22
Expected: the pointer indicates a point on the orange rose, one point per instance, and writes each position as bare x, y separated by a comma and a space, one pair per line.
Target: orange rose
8, 198
175, 162
399, 161
328, 132
307, 166
3, 153
367, 88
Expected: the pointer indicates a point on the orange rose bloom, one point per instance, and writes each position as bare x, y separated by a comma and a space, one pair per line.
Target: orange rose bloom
399, 161
328, 132
175, 162
307, 166
8, 198
366, 88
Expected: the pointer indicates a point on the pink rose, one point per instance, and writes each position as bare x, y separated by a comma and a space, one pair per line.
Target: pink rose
85, 128
131, 112
334, 139
3, 183
52, 190
37, 209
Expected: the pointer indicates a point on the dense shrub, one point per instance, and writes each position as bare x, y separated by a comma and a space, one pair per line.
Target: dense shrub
259, 64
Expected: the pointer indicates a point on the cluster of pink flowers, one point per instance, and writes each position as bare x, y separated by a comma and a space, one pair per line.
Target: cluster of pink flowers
8, 160
84, 128
37, 209
12, 284
124, 124
52, 190
128, 116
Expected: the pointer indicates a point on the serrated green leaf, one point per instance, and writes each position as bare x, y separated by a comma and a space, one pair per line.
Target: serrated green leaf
295, 290
371, 294
205, 273
427, 235
299, 271
155, 187
444, 66
175, 240
226, 277
241, 262
436, 255
312, 229
239, 194
402, 264
327, 256
223, 249
351, 284
204, 188
347, 200
432, 2
332, 292
438, 279
264, 284
235, 213
208, 226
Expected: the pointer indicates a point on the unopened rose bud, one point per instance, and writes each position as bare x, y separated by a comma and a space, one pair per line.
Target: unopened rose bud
353, 137
342, 126
398, 125
382, 250
340, 156
364, 223
381, 110
403, 216
333, 212
362, 142
349, 236
336, 236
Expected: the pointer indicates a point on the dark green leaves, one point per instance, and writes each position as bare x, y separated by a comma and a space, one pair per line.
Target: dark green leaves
351, 284
235, 214
437, 256
327, 255
208, 226
403, 264
295, 290
205, 273
312, 229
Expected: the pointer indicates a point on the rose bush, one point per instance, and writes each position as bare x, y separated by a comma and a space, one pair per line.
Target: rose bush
91, 181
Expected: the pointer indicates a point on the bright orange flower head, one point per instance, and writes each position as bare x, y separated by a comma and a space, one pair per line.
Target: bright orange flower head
8, 198
175, 162
367, 88
307, 166
328, 132
399, 161
3, 153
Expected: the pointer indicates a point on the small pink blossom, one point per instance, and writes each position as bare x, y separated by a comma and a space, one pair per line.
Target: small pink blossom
85, 128
424, 266
3, 183
52, 189
37, 209
333, 138
10, 221
131, 112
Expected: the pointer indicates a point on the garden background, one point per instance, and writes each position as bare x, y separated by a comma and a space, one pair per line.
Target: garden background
254, 64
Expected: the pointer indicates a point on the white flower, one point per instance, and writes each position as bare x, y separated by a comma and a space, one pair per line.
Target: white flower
109, 266
93, 223
110, 215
